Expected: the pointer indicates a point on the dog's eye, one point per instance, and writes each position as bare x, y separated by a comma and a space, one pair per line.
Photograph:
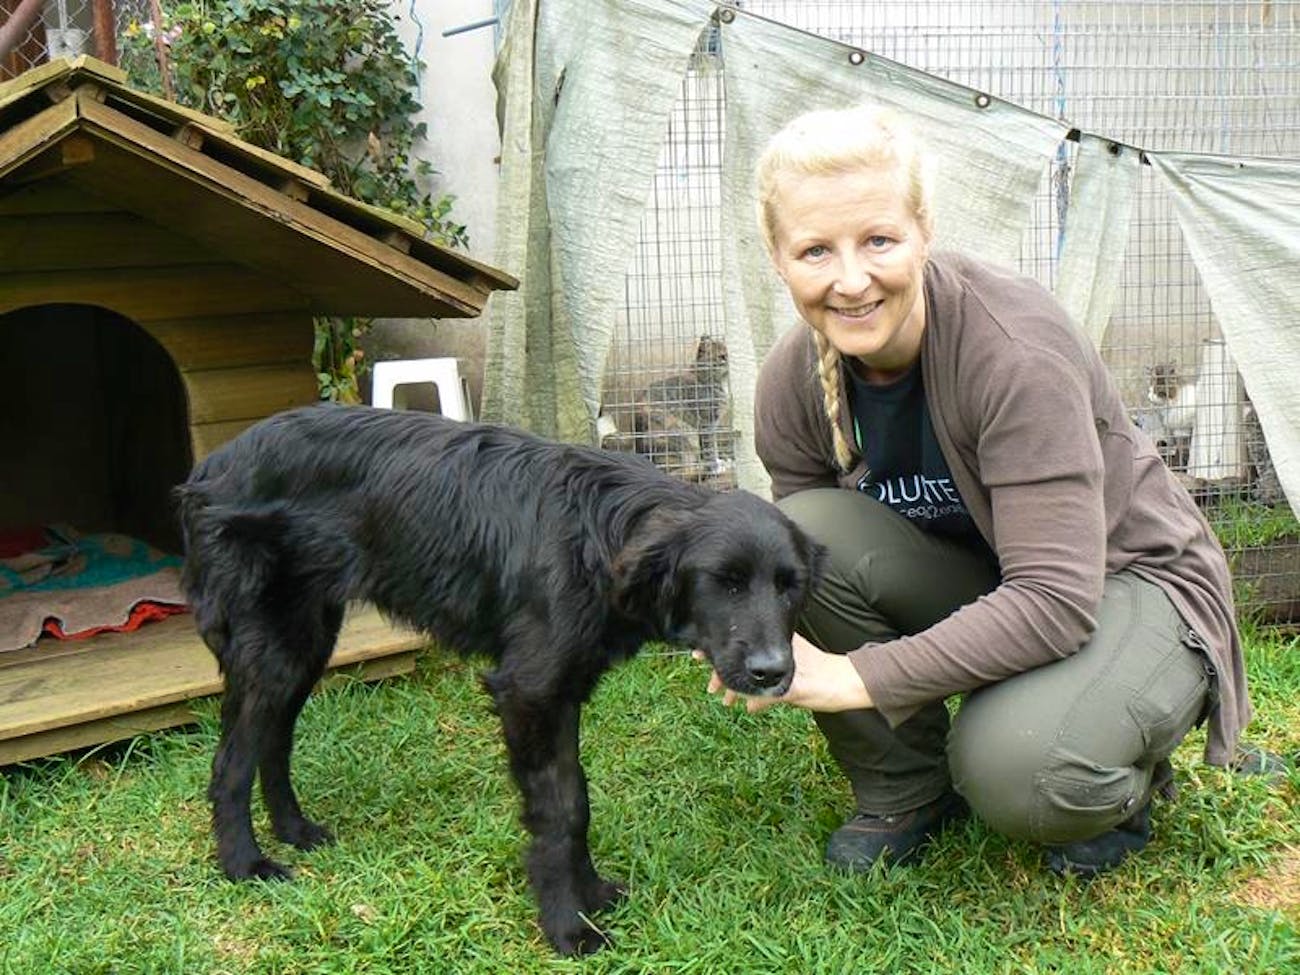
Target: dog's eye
733, 585
786, 581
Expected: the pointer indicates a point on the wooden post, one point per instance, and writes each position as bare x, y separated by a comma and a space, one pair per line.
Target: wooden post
160, 50
104, 29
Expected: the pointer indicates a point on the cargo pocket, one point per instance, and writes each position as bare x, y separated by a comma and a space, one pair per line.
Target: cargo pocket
1179, 695
1077, 799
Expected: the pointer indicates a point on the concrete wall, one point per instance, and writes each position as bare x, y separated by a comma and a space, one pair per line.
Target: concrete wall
463, 145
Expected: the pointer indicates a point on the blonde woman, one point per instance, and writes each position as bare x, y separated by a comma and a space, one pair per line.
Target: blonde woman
1000, 533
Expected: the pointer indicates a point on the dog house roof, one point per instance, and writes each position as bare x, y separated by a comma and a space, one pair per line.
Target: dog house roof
77, 121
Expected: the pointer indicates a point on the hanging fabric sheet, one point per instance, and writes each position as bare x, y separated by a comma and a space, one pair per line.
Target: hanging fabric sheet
1240, 218
585, 110
1096, 232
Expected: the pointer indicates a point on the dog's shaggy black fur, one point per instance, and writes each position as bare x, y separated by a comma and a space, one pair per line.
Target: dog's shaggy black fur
556, 561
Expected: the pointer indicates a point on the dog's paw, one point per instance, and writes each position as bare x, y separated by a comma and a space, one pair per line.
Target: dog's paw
581, 938
262, 868
304, 834
604, 894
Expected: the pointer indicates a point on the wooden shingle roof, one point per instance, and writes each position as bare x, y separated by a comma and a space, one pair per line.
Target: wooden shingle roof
76, 120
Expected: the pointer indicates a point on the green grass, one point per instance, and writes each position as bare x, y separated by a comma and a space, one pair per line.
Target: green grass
1245, 524
714, 817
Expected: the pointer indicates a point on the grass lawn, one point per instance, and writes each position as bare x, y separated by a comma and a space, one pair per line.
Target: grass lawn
715, 818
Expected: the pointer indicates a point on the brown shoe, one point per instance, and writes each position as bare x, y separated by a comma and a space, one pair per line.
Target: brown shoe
897, 839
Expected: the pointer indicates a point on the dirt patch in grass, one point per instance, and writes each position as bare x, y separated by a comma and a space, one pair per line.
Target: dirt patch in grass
1277, 888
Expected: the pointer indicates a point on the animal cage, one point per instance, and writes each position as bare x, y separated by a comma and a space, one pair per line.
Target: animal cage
1221, 77
1155, 74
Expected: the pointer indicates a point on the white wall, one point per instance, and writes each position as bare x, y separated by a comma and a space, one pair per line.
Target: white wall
462, 144
459, 108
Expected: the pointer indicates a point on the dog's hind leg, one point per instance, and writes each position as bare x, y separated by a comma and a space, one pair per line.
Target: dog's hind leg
303, 663
542, 739
231, 787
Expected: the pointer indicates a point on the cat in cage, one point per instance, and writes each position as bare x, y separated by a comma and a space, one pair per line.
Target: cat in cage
1171, 415
680, 420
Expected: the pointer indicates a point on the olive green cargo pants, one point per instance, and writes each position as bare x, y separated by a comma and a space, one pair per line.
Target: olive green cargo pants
1060, 753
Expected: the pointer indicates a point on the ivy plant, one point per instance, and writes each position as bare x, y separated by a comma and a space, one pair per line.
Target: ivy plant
326, 84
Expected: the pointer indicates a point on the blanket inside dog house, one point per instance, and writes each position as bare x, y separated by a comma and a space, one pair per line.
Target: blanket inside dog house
158, 282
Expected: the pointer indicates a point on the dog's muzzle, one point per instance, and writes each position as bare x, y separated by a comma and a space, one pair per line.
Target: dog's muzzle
768, 672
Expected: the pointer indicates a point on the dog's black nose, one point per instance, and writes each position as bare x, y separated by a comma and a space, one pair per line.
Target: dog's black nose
766, 676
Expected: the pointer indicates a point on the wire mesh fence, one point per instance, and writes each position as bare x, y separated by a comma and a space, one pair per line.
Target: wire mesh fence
57, 28
1220, 77
1156, 74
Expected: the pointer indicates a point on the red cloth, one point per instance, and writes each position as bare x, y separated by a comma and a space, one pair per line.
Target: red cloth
141, 613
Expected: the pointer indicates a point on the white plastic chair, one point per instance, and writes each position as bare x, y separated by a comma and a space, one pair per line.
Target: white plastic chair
444, 374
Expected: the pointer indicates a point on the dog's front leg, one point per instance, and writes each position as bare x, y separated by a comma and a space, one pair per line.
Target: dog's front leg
542, 739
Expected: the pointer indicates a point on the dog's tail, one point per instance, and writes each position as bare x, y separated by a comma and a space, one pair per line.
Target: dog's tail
261, 556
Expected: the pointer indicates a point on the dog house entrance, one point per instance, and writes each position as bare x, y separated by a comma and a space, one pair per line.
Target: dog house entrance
95, 426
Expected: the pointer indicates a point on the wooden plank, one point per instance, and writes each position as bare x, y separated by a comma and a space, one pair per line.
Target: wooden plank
257, 161
71, 150
121, 683
207, 437
99, 68
104, 730
32, 136
236, 340
146, 294
253, 391
247, 191
27, 82
23, 748
68, 241
173, 111
53, 196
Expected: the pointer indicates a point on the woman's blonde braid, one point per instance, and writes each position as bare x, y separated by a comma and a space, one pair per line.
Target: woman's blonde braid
828, 371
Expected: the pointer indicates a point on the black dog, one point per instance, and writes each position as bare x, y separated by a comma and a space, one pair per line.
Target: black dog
556, 561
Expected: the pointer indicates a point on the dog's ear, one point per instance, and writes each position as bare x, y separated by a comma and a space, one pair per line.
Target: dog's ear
645, 570
814, 554
819, 562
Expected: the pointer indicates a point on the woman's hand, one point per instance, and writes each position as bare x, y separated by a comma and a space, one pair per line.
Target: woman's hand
822, 682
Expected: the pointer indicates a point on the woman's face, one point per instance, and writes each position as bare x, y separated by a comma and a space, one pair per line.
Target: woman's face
852, 255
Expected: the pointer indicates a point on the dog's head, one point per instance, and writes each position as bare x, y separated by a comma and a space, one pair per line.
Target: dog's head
728, 578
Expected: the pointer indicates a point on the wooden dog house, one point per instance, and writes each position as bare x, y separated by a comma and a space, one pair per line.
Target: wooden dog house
158, 282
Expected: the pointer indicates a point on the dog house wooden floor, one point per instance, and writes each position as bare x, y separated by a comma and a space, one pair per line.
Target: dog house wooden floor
116, 685
158, 282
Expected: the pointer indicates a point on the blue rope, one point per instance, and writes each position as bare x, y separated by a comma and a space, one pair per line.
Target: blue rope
1062, 152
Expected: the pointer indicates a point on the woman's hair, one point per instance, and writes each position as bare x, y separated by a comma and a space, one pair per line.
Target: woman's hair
830, 142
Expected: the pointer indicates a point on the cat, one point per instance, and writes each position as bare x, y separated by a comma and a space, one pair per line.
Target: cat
679, 420
1172, 413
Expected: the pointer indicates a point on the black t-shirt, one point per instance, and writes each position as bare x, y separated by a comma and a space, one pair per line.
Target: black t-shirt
905, 468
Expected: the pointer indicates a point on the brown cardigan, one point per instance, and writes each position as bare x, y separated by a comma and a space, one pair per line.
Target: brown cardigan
1059, 481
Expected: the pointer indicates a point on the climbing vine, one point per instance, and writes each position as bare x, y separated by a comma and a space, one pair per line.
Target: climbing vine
326, 84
